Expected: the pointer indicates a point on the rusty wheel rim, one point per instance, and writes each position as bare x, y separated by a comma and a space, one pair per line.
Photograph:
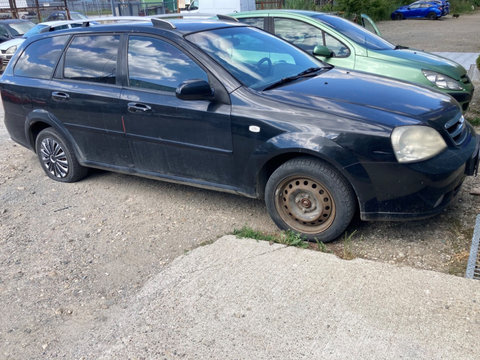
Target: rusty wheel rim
305, 204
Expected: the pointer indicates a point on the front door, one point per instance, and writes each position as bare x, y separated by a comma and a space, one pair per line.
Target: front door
176, 138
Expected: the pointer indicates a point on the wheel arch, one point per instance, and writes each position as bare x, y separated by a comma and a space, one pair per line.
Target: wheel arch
39, 120
276, 161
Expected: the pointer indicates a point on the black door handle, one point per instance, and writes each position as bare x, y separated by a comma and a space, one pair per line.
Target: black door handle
137, 107
60, 96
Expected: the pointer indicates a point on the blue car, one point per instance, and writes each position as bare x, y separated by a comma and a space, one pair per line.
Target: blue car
419, 9
443, 5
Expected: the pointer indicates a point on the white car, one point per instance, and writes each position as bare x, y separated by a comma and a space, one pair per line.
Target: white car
8, 48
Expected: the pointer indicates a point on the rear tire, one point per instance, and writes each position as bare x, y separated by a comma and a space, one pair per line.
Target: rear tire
311, 198
57, 157
432, 16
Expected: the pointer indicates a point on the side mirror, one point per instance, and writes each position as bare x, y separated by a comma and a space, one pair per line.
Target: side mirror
321, 50
195, 90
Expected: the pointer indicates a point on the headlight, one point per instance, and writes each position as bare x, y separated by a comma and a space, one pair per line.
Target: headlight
442, 81
416, 143
11, 50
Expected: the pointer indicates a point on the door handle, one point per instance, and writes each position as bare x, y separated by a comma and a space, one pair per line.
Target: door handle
60, 96
137, 107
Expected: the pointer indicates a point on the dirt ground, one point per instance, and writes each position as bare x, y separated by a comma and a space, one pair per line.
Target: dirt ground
72, 254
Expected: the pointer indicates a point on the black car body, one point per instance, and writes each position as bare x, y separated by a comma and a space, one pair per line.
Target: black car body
197, 102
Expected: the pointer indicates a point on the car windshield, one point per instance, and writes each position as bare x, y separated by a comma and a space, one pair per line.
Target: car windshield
355, 32
254, 57
77, 16
20, 28
35, 30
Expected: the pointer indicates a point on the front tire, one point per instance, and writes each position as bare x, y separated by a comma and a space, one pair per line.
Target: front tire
398, 16
311, 198
57, 157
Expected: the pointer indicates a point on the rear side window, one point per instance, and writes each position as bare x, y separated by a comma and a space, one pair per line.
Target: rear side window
40, 58
92, 58
254, 21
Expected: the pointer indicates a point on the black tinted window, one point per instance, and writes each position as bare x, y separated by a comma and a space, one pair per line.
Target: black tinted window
155, 64
40, 57
92, 58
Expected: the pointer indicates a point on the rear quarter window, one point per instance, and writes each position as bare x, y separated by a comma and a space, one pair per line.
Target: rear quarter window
40, 58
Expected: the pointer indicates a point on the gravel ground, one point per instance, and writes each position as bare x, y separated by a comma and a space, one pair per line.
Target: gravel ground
72, 254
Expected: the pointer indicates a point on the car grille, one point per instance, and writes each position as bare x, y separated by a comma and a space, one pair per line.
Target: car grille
457, 130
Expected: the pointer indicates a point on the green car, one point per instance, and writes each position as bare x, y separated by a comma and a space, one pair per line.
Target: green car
343, 43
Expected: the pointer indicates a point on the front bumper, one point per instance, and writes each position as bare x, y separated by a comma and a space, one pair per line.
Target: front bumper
420, 190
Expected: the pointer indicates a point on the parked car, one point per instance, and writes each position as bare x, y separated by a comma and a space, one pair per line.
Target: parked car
340, 42
8, 48
13, 28
444, 6
419, 9
62, 15
225, 106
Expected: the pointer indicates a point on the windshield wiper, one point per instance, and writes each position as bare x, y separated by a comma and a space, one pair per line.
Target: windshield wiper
306, 73
400, 47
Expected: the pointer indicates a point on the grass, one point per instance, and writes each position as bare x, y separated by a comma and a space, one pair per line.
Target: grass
292, 238
348, 253
460, 245
288, 237
475, 121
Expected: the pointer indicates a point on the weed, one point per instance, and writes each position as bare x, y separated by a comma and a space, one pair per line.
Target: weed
246, 232
475, 121
348, 253
322, 247
288, 237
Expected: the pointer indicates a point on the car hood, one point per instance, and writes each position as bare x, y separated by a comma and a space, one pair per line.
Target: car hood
358, 94
6, 44
420, 60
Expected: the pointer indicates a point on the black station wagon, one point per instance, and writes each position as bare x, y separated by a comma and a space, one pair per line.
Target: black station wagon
222, 105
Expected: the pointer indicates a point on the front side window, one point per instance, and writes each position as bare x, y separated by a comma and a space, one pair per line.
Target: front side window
307, 36
255, 58
157, 65
298, 33
92, 58
40, 58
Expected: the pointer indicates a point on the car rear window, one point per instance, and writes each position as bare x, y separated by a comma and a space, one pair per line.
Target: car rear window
92, 58
40, 58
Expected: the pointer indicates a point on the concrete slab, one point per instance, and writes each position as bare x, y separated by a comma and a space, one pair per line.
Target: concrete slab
243, 299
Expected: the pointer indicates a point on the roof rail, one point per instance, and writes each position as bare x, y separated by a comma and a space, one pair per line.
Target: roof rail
162, 24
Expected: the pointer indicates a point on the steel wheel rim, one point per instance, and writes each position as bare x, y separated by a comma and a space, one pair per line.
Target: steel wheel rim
305, 204
54, 158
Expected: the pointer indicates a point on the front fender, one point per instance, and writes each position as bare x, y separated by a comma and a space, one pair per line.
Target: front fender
283, 147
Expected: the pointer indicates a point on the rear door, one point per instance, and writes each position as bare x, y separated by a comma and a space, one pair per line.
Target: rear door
85, 96
171, 137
